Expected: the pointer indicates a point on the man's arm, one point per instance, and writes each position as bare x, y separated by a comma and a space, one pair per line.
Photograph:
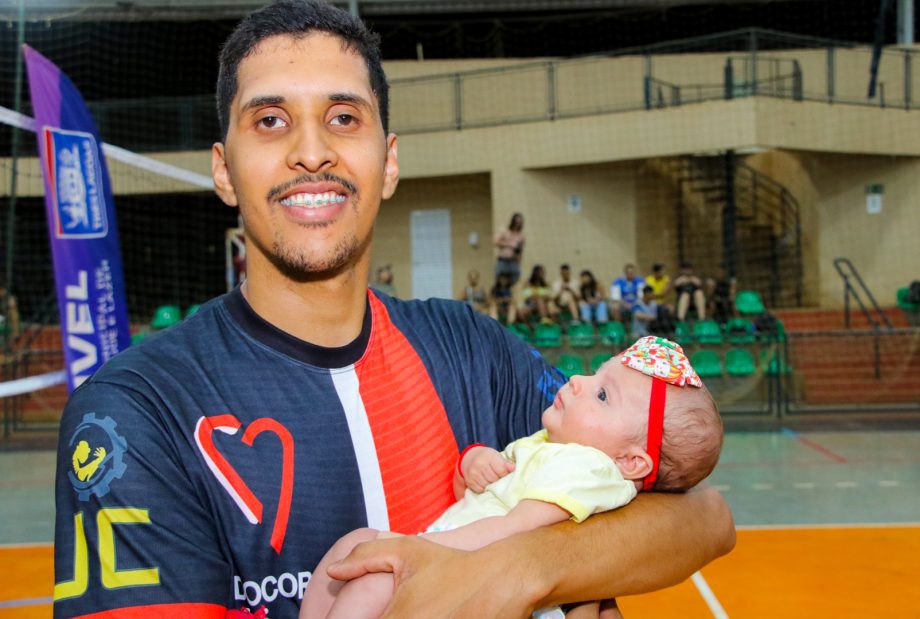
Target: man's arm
656, 541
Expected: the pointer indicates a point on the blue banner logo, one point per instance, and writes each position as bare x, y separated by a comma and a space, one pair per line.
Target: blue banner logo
76, 180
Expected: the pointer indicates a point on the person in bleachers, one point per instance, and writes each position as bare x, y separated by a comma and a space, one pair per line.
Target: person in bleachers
536, 297
645, 313
625, 291
593, 305
383, 280
660, 283
720, 295
565, 295
502, 306
510, 246
689, 288
9, 313
474, 294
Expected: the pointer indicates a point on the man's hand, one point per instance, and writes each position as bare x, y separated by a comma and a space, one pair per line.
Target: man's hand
437, 582
483, 465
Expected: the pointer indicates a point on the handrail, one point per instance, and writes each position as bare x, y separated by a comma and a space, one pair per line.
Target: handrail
849, 289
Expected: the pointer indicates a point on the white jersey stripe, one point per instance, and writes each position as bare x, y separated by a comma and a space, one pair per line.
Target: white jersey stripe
346, 385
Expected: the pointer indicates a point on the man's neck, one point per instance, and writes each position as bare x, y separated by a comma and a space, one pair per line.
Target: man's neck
327, 312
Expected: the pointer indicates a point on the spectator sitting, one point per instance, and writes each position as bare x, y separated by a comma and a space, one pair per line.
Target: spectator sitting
536, 296
593, 305
501, 304
721, 296
9, 313
660, 284
625, 291
689, 287
383, 280
565, 296
510, 245
645, 313
473, 294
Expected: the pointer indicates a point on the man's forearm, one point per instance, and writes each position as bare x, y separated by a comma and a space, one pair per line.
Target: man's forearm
656, 541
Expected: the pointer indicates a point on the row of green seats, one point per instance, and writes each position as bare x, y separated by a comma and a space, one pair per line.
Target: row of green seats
580, 335
735, 331
904, 300
570, 365
738, 362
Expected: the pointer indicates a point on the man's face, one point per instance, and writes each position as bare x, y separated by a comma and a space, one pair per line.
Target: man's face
566, 274
305, 157
629, 272
607, 411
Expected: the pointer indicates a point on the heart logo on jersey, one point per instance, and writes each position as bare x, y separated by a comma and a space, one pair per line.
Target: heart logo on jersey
238, 489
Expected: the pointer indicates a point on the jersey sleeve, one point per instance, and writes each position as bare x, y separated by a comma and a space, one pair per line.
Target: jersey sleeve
580, 480
523, 384
133, 536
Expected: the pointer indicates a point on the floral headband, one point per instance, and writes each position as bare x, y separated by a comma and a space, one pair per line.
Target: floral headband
665, 362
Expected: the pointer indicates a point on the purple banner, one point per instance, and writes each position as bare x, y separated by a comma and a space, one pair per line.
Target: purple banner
81, 222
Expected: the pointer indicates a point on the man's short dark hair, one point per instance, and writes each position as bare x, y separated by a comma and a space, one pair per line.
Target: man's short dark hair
298, 18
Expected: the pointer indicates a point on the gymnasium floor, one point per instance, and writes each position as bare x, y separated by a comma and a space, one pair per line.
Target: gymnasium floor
829, 526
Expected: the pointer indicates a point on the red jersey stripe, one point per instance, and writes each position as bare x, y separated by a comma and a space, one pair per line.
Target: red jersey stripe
415, 444
162, 611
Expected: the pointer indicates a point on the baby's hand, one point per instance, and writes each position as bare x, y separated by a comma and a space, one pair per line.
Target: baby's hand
483, 465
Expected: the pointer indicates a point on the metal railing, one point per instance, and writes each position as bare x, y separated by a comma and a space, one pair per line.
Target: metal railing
855, 287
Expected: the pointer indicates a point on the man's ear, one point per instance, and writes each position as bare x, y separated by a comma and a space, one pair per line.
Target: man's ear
391, 168
223, 186
636, 464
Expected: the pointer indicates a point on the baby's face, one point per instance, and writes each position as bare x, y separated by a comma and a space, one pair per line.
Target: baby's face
607, 411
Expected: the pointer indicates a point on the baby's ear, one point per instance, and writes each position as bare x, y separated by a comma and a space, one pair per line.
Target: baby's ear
636, 464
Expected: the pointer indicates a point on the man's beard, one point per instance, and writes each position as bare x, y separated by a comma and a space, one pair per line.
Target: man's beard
297, 264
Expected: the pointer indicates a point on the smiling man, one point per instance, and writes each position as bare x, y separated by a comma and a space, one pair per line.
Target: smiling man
244, 441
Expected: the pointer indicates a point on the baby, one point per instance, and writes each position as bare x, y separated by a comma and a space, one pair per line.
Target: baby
643, 422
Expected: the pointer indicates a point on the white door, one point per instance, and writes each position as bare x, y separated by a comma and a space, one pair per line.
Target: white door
431, 266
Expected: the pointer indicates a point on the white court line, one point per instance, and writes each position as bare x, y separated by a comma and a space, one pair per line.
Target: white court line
711, 600
888, 483
26, 602
835, 525
26, 545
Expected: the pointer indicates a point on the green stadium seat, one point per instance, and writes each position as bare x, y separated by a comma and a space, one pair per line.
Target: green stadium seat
707, 332
581, 335
166, 316
138, 337
522, 331
904, 303
707, 363
548, 336
749, 303
683, 335
612, 333
740, 331
740, 362
571, 365
191, 310
598, 360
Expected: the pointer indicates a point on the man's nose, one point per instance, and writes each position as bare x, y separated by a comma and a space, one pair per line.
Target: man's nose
311, 150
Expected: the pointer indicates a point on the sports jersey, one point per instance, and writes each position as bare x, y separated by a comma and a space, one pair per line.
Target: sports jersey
627, 290
212, 466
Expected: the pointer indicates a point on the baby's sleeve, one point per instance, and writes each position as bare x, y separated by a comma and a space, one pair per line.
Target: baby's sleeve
581, 480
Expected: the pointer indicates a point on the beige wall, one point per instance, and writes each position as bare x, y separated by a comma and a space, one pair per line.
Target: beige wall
468, 199
831, 192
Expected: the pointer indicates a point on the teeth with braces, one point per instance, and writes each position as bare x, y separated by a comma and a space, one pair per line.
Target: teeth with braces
313, 199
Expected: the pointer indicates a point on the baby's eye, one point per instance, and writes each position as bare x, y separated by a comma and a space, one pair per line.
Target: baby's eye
602, 395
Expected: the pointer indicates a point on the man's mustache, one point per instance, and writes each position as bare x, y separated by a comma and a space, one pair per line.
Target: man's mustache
278, 191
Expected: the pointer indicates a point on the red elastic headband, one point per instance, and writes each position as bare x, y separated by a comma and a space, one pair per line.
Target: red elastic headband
655, 430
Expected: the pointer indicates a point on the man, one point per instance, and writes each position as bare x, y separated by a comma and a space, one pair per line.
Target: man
565, 295
625, 291
241, 443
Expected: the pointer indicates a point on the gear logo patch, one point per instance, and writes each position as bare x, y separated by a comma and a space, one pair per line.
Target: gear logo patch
97, 456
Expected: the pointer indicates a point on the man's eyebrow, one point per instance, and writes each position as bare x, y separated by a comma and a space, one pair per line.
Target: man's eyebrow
350, 97
262, 100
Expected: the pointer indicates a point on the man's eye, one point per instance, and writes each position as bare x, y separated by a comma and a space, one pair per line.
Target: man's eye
602, 395
343, 120
272, 122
